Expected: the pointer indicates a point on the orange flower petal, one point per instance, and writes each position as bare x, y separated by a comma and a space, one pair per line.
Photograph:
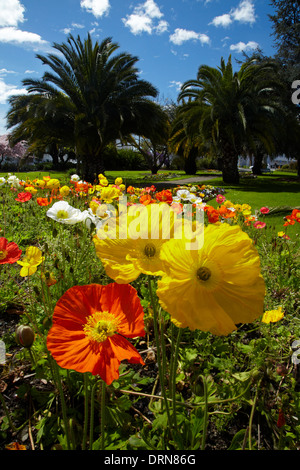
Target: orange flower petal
73, 348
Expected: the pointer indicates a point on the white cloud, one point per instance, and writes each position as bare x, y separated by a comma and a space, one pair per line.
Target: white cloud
77, 25
14, 35
97, 7
162, 27
175, 84
222, 20
241, 46
150, 8
72, 27
138, 23
8, 90
144, 19
5, 71
11, 12
243, 13
182, 35
66, 30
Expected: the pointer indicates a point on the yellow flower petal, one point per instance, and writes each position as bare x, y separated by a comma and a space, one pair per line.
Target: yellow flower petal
214, 288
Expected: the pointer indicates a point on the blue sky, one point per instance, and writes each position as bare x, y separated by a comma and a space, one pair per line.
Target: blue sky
171, 38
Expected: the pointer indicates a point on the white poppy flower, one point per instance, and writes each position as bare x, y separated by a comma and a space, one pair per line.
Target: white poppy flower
61, 211
184, 194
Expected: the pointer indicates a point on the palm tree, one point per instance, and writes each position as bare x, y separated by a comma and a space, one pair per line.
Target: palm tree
43, 122
231, 111
103, 97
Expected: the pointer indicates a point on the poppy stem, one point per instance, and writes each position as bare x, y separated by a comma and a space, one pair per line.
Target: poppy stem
173, 372
86, 409
63, 405
158, 351
92, 414
205, 417
103, 395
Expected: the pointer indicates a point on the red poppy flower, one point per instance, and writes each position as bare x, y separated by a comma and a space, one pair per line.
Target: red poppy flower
90, 324
9, 252
23, 197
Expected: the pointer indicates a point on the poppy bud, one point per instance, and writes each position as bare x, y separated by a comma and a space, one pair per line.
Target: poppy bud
281, 370
281, 419
25, 336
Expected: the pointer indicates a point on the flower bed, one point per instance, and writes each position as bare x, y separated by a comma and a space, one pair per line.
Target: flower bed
160, 314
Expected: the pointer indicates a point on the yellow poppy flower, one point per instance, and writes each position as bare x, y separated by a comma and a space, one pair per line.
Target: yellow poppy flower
135, 249
31, 190
33, 257
40, 183
216, 287
118, 181
272, 316
64, 190
109, 193
53, 183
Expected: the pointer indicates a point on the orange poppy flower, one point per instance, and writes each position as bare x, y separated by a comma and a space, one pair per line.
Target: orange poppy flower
164, 196
212, 214
130, 190
289, 221
295, 215
225, 212
43, 201
15, 446
9, 252
146, 199
90, 324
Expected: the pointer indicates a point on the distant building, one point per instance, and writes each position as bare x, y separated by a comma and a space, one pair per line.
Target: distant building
268, 162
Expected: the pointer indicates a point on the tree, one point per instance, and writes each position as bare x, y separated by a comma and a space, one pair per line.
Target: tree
44, 122
152, 138
228, 112
103, 98
286, 30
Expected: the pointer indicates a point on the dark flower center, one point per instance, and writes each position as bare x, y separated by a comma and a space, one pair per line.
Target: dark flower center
203, 273
150, 250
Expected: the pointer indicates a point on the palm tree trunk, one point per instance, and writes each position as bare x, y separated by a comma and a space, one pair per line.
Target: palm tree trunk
230, 171
91, 167
258, 159
190, 166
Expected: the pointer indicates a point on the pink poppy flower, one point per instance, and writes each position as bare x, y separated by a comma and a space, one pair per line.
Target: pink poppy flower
220, 199
264, 210
259, 224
